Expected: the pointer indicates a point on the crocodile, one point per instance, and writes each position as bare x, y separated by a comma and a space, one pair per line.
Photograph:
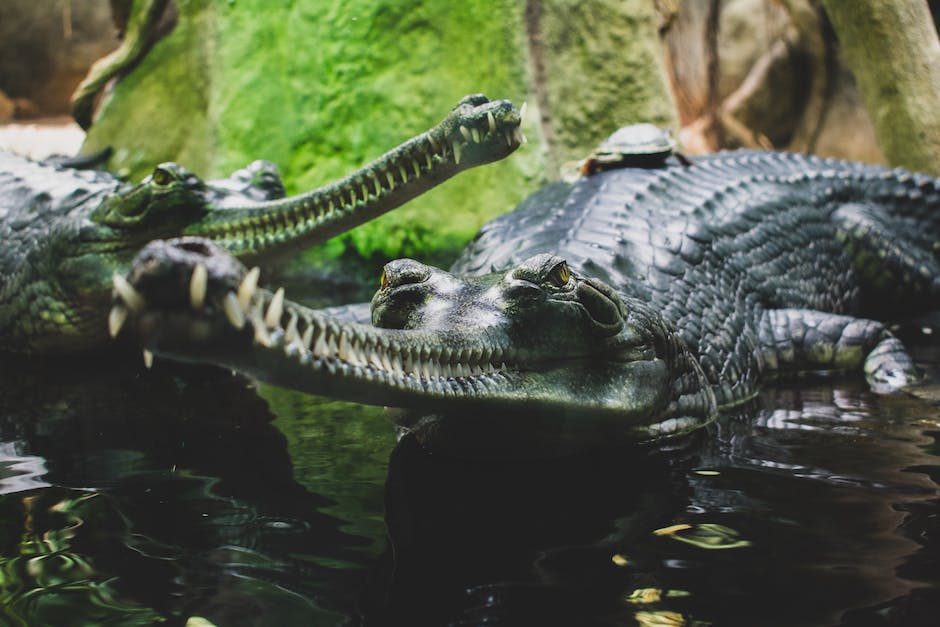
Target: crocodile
631, 305
66, 232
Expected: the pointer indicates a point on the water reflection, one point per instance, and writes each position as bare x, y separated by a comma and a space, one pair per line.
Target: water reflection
139, 497
196, 508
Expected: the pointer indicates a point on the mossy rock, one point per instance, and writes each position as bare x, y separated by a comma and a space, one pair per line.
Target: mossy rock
320, 88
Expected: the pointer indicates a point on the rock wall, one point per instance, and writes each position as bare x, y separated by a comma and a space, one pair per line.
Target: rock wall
322, 87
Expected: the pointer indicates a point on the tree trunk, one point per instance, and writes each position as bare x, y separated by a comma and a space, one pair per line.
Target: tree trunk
891, 46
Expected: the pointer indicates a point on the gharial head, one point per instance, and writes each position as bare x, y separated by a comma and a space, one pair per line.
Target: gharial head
536, 357
245, 214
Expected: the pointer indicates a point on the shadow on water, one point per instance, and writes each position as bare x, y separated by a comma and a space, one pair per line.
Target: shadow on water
139, 497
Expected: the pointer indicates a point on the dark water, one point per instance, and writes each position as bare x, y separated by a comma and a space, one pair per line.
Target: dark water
138, 498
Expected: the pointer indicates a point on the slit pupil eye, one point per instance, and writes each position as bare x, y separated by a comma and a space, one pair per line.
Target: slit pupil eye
560, 274
161, 176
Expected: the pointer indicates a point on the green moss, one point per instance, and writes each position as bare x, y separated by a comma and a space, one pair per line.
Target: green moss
320, 88
158, 112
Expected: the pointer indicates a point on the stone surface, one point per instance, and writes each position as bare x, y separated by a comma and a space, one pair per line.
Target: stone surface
322, 87
46, 46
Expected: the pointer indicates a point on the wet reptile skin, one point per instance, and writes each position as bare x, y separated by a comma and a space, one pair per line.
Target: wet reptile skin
743, 252
634, 303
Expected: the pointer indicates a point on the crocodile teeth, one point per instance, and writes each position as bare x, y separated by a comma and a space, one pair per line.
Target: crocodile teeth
148, 359
518, 136
233, 310
491, 121
248, 286
345, 351
291, 336
131, 297
522, 111
475, 134
466, 133
116, 319
457, 152
320, 348
197, 286
275, 309
509, 137
434, 145
307, 337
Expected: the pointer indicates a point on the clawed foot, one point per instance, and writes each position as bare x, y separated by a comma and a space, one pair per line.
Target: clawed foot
888, 368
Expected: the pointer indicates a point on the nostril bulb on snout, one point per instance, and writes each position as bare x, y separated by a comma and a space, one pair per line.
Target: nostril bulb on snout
403, 272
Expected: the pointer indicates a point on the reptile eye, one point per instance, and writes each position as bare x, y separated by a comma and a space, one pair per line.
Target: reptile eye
162, 177
383, 280
559, 275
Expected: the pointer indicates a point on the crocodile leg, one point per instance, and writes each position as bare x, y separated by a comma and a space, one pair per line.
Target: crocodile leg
793, 340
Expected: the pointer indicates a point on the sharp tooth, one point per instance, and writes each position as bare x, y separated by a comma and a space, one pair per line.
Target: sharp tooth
404, 175
522, 112
396, 364
233, 311
427, 160
386, 362
247, 288
434, 145
131, 297
320, 348
417, 168
290, 334
491, 121
457, 152
365, 192
197, 286
508, 135
344, 352
331, 347
261, 336
518, 136
375, 360
273, 316
148, 359
466, 133
376, 185
116, 319
475, 134
391, 180
308, 336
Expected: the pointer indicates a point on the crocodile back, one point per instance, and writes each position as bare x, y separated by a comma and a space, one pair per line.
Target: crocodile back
36, 199
713, 245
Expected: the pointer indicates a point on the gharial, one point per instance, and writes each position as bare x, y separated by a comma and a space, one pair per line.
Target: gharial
633, 304
65, 232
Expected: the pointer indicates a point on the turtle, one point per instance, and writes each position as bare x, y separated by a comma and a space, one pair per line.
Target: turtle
634, 146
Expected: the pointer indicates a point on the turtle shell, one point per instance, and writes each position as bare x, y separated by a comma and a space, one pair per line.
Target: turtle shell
638, 139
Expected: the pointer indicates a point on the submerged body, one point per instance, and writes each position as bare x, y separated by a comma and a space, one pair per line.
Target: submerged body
66, 232
633, 304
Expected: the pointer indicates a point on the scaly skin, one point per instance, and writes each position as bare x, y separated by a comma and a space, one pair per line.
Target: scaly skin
685, 287
66, 233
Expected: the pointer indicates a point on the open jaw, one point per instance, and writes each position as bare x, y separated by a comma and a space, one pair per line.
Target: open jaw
464, 390
476, 131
